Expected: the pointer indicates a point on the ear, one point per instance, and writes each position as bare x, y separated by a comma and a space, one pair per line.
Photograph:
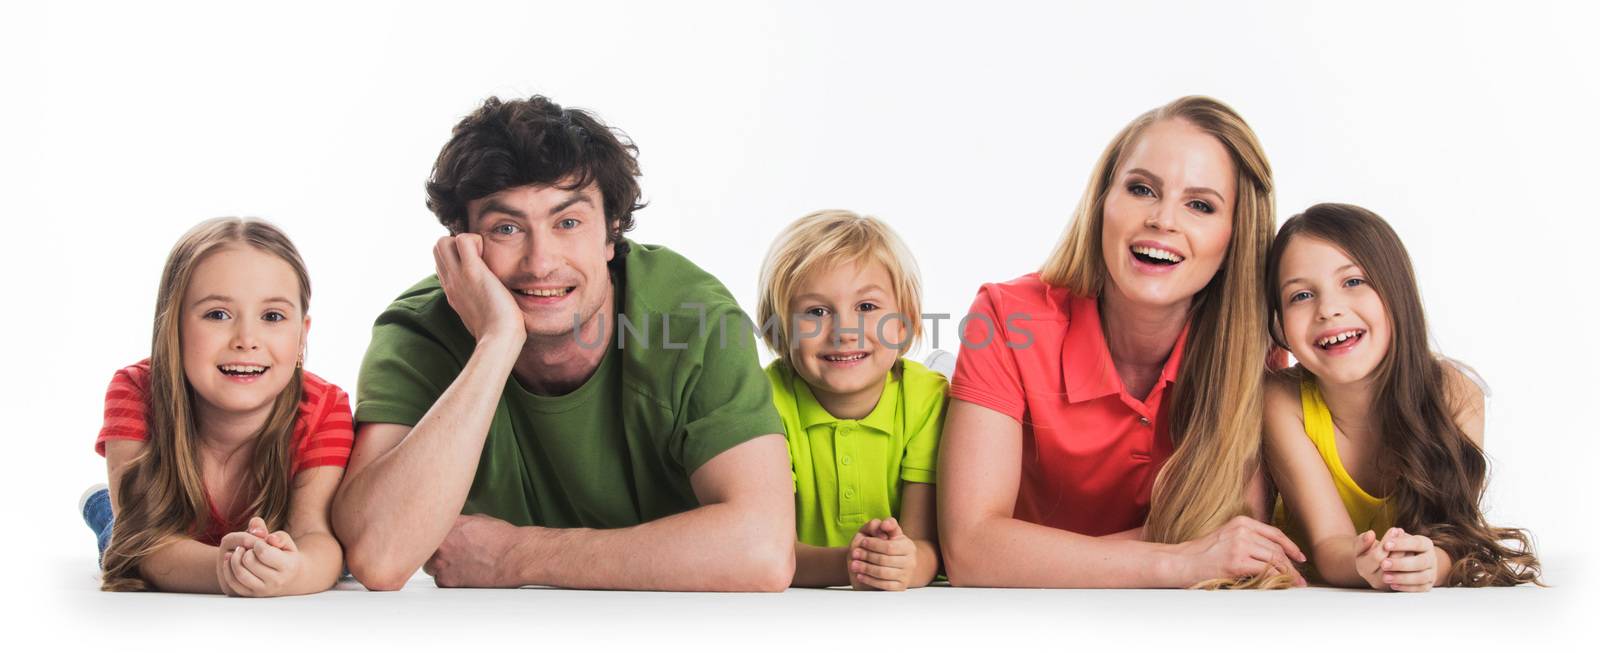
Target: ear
305, 331
611, 249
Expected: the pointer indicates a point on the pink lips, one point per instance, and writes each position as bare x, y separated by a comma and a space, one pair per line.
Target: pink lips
1340, 348
244, 379
845, 363
1153, 268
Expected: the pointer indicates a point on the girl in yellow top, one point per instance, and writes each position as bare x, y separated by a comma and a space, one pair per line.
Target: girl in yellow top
840, 302
1372, 433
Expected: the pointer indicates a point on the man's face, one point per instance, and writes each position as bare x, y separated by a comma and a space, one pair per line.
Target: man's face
549, 247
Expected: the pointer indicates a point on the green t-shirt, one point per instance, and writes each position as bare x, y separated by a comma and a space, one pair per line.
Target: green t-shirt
619, 450
847, 471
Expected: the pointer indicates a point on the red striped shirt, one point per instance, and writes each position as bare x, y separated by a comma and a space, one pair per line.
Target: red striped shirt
323, 431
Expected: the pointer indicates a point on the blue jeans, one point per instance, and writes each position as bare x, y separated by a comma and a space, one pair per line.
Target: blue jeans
97, 514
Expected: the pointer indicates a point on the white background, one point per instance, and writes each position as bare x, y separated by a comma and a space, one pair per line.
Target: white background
968, 127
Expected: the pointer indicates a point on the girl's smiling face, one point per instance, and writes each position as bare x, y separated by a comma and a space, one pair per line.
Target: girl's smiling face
846, 330
1333, 319
242, 330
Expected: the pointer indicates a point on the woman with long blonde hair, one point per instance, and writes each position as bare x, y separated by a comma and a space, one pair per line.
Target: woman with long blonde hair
222, 453
1105, 420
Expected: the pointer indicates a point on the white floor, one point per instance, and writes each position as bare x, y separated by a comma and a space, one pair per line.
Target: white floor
426, 617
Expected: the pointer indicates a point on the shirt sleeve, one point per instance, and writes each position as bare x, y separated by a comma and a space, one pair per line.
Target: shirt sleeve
986, 371
405, 370
125, 409
921, 460
728, 398
329, 432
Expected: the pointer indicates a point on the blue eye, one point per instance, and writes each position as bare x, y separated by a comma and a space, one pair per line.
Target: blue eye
504, 229
216, 314
1354, 281
568, 223
1299, 296
1201, 206
1141, 190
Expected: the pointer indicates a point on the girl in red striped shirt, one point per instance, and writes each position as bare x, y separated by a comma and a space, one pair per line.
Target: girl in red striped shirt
222, 453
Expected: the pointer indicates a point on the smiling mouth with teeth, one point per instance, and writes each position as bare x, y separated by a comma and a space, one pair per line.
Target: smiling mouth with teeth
1155, 256
243, 370
845, 358
1341, 337
550, 292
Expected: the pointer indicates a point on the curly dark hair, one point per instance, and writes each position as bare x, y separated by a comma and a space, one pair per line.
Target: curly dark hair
505, 144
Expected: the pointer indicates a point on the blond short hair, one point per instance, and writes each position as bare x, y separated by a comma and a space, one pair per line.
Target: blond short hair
826, 239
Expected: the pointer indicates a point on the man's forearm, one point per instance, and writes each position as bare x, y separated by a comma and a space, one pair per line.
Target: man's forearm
721, 547
394, 512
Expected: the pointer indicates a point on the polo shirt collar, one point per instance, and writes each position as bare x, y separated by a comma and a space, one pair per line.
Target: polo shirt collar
1086, 360
881, 418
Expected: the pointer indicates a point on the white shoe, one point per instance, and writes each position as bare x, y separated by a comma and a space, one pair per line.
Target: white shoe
84, 500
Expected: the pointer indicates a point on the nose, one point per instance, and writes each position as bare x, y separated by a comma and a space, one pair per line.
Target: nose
541, 258
244, 336
1162, 216
846, 327
1328, 309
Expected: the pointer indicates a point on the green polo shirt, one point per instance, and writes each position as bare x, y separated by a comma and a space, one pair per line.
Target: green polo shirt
846, 471
619, 450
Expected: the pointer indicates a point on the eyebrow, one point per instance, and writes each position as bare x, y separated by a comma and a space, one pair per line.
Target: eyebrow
1192, 190
496, 206
1341, 268
861, 291
227, 299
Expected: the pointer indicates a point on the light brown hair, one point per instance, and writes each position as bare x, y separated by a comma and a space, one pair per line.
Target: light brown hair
1439, 473
1216, 402
162, 496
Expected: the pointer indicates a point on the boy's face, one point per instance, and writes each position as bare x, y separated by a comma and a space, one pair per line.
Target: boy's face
549, 247
847, 330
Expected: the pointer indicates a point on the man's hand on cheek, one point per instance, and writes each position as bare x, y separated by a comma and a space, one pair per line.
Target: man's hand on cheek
485, 306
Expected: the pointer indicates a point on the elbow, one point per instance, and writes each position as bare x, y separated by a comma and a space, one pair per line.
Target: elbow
772, 566
962, 566
375, 573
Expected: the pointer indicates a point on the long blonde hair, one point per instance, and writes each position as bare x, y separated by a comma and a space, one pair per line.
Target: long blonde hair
163, 496
1215, 418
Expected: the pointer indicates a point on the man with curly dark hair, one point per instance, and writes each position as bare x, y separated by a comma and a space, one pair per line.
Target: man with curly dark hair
559, 405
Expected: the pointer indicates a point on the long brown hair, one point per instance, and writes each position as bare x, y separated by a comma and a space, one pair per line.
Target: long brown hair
1215, 418
1439, 474
162, 495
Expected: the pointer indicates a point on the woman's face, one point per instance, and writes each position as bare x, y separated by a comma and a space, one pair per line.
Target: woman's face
1168, 215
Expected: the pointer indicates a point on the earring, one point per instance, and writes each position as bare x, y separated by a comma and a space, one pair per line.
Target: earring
300, 362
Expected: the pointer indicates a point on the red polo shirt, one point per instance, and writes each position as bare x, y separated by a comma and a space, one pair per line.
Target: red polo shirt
1090, 451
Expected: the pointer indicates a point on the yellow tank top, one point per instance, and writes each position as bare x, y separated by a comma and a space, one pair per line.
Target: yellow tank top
1366, 511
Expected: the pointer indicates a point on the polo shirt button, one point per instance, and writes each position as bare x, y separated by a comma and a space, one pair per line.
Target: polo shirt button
849, 493
1144, 421
844, 461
